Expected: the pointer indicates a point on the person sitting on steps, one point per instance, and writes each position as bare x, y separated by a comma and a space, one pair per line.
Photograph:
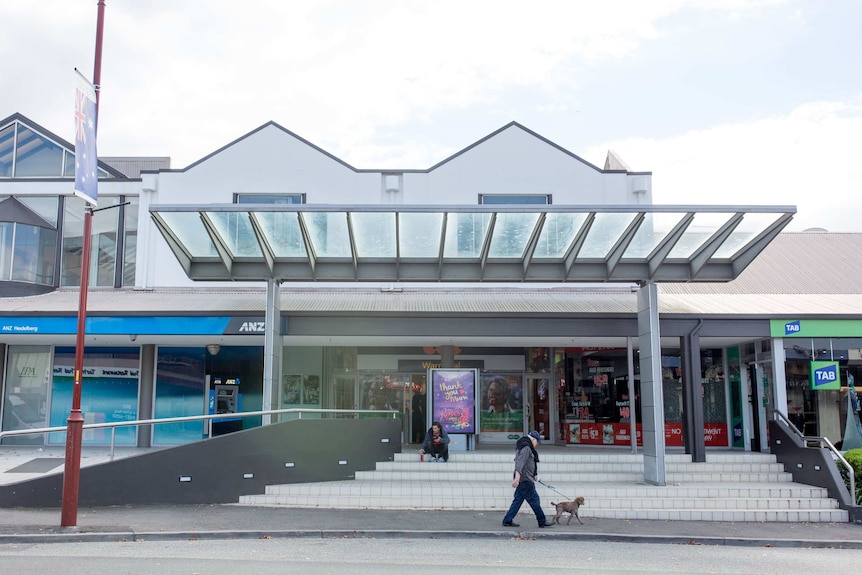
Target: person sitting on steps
436, 443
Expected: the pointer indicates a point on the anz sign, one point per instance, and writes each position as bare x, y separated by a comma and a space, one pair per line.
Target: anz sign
252, 326
247, 326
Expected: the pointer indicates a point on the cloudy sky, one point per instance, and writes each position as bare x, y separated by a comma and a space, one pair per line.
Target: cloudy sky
724, 101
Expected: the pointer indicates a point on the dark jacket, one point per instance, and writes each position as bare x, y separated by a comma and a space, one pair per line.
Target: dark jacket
526, 460
429, 439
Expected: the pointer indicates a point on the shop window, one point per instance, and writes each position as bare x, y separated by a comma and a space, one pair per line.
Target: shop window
111, 380
598, 408
671, 378
180, 385
714, 388
25, 396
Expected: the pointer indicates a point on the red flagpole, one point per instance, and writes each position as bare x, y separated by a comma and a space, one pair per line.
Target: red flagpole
75, 421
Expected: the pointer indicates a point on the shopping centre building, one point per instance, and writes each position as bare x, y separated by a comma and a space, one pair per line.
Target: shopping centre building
271, 274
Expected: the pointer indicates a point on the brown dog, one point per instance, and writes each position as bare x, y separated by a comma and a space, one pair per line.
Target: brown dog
570, 507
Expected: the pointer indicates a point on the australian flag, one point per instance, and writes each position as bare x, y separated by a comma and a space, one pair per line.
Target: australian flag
86, 161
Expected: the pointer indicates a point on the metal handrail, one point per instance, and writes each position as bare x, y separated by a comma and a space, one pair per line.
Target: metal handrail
822, 442
113, 425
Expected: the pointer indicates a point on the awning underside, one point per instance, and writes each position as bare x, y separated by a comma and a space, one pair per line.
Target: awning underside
308, 243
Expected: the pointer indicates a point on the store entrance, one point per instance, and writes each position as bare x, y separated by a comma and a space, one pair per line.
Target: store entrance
540, 416
401, 392
761, 398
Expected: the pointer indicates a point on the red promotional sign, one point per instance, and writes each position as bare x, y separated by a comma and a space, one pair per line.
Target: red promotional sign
588, 433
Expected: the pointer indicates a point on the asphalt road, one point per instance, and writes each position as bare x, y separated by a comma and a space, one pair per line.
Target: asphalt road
414, 556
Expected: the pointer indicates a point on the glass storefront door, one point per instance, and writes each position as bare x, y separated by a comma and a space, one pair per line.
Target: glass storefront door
396, 392
538, 407
760, 398
345, 393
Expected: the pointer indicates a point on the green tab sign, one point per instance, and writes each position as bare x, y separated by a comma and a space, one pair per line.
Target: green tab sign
825, 375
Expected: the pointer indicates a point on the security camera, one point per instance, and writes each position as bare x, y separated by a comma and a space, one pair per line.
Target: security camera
133, 337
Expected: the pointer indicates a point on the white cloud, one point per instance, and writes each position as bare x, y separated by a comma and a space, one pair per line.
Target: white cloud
364, 79
185, 77
806, 158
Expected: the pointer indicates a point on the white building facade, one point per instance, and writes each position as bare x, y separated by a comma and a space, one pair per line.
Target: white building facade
225, 286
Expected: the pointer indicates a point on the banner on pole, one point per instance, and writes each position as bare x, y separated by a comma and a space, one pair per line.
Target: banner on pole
86, 161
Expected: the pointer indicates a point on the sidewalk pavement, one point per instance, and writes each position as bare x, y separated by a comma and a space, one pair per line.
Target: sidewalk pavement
172, 522
191, 522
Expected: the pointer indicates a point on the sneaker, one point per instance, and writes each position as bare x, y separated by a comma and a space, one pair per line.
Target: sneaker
546, 524
510, 524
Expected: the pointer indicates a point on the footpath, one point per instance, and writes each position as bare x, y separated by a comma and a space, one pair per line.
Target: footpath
196, 522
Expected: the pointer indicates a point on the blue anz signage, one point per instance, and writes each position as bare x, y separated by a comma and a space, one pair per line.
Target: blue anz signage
149, 325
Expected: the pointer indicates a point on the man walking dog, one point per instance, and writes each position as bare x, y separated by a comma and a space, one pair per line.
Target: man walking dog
526, 475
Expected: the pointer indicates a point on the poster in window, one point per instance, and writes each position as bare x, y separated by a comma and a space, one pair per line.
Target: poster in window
453, 397
502, 403
311, 391
292, 390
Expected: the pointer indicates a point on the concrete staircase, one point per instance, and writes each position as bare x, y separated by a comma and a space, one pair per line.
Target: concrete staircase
729, 486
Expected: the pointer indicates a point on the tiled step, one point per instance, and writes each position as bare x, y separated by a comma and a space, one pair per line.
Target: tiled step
597, 490
591, 467
576, 477
762, 504
727, 487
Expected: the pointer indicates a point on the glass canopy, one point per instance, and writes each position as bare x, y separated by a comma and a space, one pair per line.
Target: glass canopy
487, 243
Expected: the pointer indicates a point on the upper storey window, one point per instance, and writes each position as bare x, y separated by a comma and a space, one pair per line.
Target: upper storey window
26, 153
269, 199
514, 199
27, 242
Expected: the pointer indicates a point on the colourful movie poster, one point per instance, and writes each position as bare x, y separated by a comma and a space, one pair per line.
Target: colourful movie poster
453, 393
502, 403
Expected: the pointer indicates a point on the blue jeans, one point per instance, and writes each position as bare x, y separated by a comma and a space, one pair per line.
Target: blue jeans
526, 491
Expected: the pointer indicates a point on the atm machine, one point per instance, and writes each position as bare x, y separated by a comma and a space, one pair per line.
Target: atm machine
225, 398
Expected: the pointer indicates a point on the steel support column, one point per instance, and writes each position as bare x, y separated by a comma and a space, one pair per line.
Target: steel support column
652, 397
692, 397
272, 348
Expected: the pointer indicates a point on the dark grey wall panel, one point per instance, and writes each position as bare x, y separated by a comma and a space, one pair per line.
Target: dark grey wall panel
812, 466
218, 467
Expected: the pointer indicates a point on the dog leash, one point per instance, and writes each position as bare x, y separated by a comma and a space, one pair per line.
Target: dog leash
552, 488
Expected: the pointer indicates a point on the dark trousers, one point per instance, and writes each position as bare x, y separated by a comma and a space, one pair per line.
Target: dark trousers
440, 450
525, 491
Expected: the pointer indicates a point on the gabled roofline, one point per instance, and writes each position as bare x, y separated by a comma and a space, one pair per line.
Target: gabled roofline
253, 132
58, 140
538, 136
396, 170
